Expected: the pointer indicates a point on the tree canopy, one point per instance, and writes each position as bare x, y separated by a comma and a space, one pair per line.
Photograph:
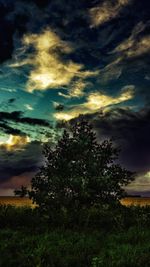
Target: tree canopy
78, 172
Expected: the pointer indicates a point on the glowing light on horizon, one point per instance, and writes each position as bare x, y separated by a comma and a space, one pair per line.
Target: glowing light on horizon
15, 142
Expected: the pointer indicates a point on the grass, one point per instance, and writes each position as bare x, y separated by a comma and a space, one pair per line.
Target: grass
113, 238
71, 248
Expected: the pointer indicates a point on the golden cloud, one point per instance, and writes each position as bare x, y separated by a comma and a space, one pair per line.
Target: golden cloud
131, 47
48, 68
76, 89
95, 102
15, 142
106, 11
139, 48
128, 49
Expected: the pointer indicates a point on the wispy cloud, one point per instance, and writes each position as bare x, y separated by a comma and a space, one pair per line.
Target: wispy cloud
113, 70
135, 45
106, 11
96, 101
76, 89
28, 107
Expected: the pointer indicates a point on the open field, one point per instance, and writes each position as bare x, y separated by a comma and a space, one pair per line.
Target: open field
137, 201
19, 202
15, 201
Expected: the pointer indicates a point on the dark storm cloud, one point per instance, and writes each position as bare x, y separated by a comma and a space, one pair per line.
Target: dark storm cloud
5, 128
6, 33
94, 46
17, 116
118, 46
16, 18
14, 123
130, 130
19, 161
9, 27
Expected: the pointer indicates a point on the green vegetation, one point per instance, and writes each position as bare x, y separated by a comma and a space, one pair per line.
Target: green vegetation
78, 221
114, 237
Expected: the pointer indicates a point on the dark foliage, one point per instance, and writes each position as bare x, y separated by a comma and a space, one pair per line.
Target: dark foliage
78, 174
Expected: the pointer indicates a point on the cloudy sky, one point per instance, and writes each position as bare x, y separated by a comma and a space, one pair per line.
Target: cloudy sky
60, 59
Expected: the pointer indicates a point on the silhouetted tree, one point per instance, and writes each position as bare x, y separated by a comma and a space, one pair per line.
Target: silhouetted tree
79, 172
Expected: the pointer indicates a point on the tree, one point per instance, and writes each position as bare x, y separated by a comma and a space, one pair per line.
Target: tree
78, 172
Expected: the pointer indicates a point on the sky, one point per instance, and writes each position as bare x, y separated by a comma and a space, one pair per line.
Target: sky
61, 59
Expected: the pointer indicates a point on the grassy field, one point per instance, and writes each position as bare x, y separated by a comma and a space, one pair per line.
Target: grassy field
137, 201
113, 237
19, 202
15, 201
68, 248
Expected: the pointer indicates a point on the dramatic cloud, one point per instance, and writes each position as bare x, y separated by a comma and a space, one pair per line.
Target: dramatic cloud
130, 130
96, 101
14, 123
20, 158
49, 70
15, 142
76, 89
135, 45
60, 61
106, 11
